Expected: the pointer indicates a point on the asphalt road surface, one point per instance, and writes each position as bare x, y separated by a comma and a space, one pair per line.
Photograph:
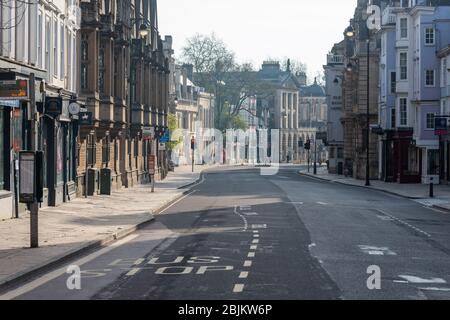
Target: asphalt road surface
242, 235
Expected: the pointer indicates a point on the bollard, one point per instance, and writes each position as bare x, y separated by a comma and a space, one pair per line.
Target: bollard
431, 188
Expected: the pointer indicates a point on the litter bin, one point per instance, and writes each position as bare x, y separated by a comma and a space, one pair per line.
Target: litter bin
93, 177
105, 181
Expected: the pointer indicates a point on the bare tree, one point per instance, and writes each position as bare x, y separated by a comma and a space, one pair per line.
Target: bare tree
207, 54
216, 70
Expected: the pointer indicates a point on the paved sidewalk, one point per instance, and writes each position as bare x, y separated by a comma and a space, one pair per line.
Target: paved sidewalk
417, 192
85, 223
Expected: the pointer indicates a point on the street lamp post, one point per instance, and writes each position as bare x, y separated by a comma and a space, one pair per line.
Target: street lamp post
368, 115
315, 156
350, 33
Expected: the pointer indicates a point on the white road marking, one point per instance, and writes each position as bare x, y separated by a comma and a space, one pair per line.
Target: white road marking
436, 289
400, 281
256, 236
139, 261
247, 263
259, 226
243, 208
132, 272
242, 217
377, 251
414, 279
250, 213
238, 288
253, 247
436, 210
55, 274
174, 203
297, 202
255, 241
243, 275
255, 231
251, 255
322, 203
405, 223
385, 218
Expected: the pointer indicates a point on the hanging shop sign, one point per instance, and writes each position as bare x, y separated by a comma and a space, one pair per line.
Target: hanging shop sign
53, 106
13, 89
74, 108
10, 103
440, 126
85, 119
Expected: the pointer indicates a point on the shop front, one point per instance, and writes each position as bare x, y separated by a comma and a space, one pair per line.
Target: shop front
59, 134
401, 161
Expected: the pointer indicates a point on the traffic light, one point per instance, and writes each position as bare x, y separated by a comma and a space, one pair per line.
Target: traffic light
308, 145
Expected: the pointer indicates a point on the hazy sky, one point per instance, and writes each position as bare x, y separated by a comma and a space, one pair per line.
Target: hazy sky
258, 29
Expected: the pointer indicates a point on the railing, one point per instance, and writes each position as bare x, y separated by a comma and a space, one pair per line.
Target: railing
335, 59
388, 16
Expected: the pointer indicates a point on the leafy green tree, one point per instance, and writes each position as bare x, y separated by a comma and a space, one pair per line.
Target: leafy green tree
173, 126
217, 72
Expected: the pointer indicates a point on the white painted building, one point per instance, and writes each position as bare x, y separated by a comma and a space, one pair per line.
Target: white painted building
39, 38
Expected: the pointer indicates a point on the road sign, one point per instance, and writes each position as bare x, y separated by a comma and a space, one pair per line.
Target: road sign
151, 164
148, 132
440, 126
166, 137
85, 119
14, 89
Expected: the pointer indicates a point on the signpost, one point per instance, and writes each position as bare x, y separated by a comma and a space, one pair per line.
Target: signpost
34, 208
192, 148
151, 170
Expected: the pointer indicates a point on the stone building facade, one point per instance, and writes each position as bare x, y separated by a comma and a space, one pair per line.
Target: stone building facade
354, 98
124, 78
